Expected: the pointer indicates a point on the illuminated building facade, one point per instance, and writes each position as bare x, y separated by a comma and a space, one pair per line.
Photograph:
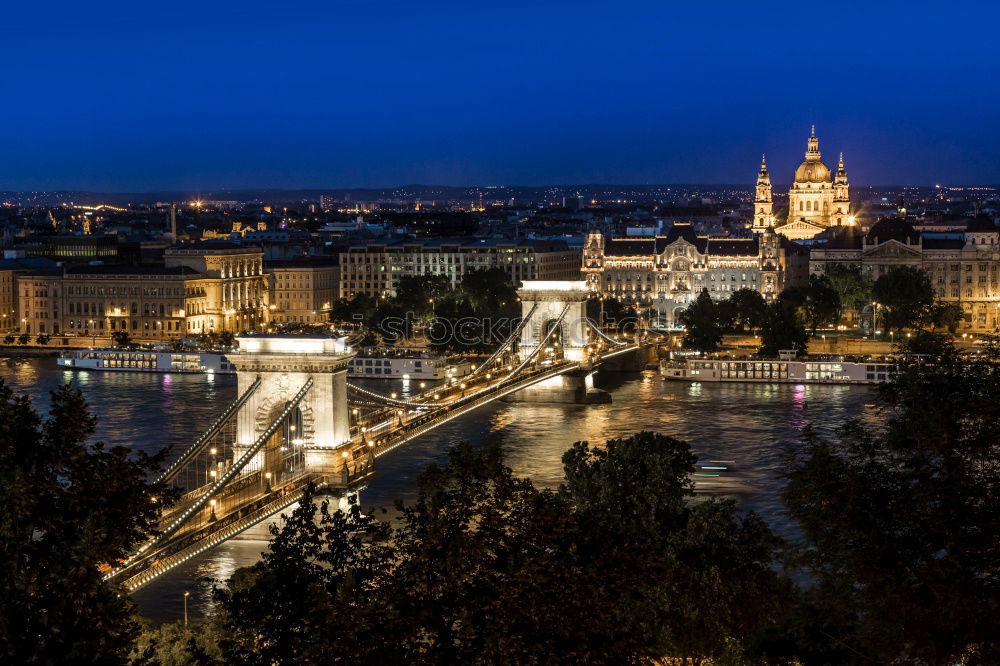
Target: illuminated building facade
303, 290
374, 268
233, 292
964, 267
668, 272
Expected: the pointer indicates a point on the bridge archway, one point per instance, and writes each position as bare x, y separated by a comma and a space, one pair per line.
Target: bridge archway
549, 304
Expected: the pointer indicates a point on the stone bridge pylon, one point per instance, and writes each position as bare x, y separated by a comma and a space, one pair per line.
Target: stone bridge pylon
559, 305
284, 364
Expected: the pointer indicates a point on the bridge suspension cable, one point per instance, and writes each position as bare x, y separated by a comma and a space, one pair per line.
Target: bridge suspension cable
538, 347
506, 345
480, 368
384, 398
356, 338
603, 335
200, 443
218, 485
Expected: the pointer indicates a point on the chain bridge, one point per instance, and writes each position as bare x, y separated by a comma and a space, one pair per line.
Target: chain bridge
298, 421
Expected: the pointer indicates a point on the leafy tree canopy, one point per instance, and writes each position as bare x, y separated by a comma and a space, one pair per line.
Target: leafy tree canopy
617, 566
72, 507
853, 288
782, 329
900, 519
902, 295
701, 323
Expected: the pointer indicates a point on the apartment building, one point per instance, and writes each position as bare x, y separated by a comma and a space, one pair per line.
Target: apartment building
375, 267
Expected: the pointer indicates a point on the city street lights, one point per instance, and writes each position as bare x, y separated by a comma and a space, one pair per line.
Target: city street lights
186, 595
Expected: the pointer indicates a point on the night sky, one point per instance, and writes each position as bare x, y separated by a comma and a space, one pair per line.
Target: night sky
144, 96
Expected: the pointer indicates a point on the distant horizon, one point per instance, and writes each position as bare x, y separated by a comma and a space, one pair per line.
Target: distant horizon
779, 188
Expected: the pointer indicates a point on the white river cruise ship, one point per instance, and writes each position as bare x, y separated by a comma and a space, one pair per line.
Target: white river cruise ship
146, 361
805, 371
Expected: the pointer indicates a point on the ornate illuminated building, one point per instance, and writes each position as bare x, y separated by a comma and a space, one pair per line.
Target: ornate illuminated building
816, 200
964, 268
668, 272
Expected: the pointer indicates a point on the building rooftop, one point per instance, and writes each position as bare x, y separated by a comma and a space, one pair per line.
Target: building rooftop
893, 228
26, 263
733, 247
125, 269
304, 262
552, 245
213, 246
980, 224
645, 246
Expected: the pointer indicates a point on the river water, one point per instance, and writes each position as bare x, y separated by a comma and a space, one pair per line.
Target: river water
748, 424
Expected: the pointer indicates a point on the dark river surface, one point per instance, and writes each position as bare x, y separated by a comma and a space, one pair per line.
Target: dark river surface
748, 424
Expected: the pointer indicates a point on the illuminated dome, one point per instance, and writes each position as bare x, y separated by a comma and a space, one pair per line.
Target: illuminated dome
812, 172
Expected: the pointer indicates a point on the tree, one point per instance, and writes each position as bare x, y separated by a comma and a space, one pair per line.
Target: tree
699, 581
71, 508
23, 339
943, 315
302, 328
902, 296
478, 315
42, 339
616, 566
700, 320
226, 340
853, 288
782, 329
354, 310
121, 339
419, 292
817, 301
614, 313
176, 644
822, 304
899, 519
749, 309
312, 599
9, 339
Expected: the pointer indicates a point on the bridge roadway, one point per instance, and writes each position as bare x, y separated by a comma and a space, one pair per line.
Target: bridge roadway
380, 432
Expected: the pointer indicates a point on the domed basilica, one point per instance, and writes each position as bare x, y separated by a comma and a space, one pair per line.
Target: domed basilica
817, 199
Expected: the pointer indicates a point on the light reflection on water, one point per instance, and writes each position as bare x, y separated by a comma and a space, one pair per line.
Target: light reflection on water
747, 423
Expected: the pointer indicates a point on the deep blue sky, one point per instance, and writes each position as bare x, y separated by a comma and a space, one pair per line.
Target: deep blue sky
131, 96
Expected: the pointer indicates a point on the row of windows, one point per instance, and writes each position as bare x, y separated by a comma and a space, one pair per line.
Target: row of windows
88, 290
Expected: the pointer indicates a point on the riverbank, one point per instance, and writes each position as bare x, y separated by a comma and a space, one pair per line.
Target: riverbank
28, 351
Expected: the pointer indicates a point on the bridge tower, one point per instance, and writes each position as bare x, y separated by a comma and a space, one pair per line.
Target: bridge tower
559, 304
284, 364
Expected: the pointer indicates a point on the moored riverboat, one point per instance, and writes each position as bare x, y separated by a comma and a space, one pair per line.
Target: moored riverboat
802, 371
146, 361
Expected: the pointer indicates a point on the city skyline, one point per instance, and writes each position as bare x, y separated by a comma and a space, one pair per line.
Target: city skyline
373, 94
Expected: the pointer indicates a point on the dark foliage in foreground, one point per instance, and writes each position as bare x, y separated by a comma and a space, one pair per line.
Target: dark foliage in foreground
70, 507
618, 565
902, 522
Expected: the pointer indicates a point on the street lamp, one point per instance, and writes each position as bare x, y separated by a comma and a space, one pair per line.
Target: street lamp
186, 595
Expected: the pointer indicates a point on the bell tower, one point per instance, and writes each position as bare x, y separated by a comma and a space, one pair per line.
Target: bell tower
763, 204
841, 196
